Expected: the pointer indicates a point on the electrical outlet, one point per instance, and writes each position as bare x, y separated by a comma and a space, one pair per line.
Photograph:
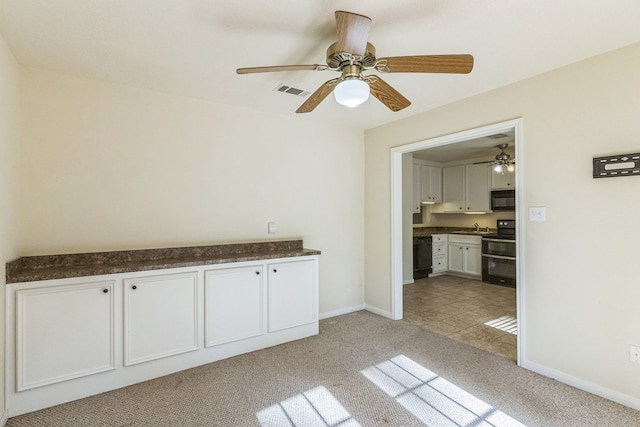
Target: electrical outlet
634, 353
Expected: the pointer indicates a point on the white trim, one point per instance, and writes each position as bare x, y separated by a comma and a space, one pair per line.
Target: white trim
4, 418
607, 393
396, 212
408, 282
341, 311
376, 310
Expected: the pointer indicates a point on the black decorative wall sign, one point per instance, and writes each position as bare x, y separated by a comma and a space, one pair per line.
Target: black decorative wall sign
618, 165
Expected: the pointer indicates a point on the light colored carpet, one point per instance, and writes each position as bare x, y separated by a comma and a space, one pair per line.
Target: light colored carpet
346, 376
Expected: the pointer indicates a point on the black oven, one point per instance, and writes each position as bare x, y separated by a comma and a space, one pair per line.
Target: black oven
499, 255
503, 200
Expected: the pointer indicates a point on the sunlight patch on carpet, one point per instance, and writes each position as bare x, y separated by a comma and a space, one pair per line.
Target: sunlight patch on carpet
313, 408
505, 323
431, 398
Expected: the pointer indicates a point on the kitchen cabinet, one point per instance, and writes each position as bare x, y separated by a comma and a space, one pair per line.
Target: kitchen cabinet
292, 300
417, 187
64, 332
466, 188
234, 304
465, 254
123, 328
160, 316
504, 181
439, 253
477, 188
431, 187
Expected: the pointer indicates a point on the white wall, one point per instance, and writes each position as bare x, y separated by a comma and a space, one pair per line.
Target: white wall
581, 288
109, 167
9, 143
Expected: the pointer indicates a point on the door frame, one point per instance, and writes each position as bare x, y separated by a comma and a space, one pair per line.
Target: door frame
397, 214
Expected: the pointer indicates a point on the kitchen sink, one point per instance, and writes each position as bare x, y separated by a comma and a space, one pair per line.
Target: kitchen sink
479, 233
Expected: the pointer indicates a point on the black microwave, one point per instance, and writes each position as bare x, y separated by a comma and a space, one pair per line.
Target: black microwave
503, 200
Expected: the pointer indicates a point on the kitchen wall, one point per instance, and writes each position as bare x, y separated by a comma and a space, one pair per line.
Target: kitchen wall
110, 167
9, 143
580, 286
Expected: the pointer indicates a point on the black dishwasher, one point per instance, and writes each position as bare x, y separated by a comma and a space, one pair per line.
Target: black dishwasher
422, 257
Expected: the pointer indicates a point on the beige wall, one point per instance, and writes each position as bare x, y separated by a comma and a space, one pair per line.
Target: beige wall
9, 143
580, 287
109, 167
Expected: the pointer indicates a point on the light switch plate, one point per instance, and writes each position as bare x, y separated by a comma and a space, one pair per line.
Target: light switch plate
537, 213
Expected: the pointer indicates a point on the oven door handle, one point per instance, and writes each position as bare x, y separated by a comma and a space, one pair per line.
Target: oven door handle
488, 239
499, 257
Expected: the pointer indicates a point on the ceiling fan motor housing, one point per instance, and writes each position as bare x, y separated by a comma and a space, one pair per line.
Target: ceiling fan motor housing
337, 59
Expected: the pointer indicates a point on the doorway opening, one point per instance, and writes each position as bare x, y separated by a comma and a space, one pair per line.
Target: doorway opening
401, 246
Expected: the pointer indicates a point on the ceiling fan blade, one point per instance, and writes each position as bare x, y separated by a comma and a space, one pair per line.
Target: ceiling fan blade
318, 96
353, 32
386, 94
456, 64
251, 70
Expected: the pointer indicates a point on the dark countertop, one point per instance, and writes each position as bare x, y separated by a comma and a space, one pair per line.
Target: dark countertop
47, 267
430, 231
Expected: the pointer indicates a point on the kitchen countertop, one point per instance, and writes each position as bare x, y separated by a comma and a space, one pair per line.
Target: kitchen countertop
47, 267
429, 231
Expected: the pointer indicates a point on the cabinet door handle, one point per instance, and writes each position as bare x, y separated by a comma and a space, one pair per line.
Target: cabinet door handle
134, 287
106, 291
275, 270
257, 272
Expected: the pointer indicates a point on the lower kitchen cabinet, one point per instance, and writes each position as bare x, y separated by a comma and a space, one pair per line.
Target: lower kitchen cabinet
465, 254
234, 308
292, 300
439, 253
160, 316
63, 332
76, 337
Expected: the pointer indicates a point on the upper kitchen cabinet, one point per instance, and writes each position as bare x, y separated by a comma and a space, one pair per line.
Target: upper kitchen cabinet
466, 188
503, 181
417, 187
431, 184
477, 190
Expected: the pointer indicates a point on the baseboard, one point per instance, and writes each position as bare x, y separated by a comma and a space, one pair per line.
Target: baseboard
341, 311
379, 312
408, 282
607, 393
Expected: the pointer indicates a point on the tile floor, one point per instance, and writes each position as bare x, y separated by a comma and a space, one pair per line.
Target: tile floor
459, 308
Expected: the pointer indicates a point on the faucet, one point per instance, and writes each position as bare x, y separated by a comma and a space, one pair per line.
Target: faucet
477, 227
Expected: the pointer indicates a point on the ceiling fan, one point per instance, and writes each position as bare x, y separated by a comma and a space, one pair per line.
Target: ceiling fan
351, 55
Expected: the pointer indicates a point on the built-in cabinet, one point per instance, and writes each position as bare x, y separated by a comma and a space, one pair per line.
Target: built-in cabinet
466, 188
427, 184
77, 337
439, 253
503, 181
431, 184
465, 254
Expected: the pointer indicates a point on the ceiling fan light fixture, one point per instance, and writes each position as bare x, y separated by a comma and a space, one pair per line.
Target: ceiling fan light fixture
351, 92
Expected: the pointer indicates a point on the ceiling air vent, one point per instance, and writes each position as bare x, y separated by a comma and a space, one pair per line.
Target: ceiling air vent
292, 90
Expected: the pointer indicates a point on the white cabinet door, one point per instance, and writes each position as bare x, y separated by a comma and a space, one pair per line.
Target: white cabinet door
417, 187
292, 294
431, 184
63, 332
473, 259
456, 257
233, 304
477, 188
160, 316
501, 181
453, 188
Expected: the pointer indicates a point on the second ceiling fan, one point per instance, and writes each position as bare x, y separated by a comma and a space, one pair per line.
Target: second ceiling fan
352, 54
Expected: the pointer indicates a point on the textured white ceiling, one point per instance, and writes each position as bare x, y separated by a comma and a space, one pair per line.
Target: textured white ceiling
192, 47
